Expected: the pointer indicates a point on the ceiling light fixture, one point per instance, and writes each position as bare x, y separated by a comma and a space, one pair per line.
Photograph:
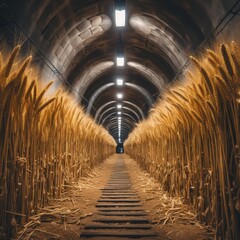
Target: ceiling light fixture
120, 61
120, 13
119, 106
119, 95
119, 113
119, 82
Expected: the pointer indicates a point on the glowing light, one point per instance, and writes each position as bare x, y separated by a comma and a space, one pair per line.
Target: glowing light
119, 95
119, 82
120, 18
120, 61
119, 106
119, 113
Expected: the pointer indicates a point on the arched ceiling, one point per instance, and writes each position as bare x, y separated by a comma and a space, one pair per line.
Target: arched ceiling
81, 41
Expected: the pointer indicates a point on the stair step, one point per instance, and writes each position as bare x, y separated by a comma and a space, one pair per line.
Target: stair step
117, 188
132, 234
118, 204
119, 197
122, 213
110, 220
128, 192
118, 200
119, 180
122, 209
118, 185
119, 194
118, 226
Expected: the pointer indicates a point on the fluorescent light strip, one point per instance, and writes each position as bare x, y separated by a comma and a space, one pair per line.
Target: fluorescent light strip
119, 82
120, 61
119, 95
120, 18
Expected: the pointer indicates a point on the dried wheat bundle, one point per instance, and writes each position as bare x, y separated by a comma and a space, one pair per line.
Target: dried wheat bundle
191, 139
46, 143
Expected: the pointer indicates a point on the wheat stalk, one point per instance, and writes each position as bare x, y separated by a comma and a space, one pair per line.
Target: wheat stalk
39, 134
197, 121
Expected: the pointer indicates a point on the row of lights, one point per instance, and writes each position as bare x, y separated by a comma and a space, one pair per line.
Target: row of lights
120, 19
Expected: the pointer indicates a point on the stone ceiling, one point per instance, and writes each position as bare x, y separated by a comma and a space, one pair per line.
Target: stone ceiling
80, 39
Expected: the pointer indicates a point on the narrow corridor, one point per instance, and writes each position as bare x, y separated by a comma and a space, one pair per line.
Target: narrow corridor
85, 208
82, 80
120, 213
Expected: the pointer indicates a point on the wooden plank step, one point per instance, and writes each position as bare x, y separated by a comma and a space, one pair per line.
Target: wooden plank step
121, 213
123, 177
131, 195
133, 234
126, 191
121, 193
118, 226
118, 184
115, 193
122, 172
112, 219
118, 197
114, 209
118, 200
118, 204
117, 188
126, 177
119, 180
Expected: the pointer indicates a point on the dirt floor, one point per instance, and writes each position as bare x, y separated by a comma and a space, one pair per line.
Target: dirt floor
65, 218
169, 216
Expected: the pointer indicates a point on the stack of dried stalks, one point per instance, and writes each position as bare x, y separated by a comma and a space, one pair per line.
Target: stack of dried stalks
192, 140
46, 143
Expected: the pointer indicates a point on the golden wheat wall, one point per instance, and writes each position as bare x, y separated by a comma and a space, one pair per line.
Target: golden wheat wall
46, 143
191, 140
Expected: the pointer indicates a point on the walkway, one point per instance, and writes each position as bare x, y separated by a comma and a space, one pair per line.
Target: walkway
116, 193
120, 213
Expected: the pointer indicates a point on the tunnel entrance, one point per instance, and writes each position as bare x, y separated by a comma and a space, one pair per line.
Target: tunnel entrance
120, 148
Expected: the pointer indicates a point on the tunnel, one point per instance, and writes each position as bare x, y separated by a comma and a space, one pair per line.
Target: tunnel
119, 119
